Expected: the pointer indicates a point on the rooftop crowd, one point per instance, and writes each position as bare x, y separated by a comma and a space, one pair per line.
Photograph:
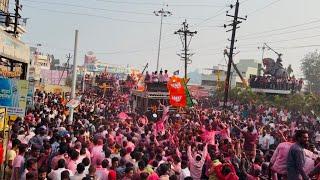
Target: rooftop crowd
271, 82
105, 141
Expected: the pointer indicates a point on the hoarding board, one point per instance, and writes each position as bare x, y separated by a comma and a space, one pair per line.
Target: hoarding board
13, 96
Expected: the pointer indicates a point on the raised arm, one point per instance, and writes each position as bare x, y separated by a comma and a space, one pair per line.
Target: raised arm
204, 153
189, 153
178, 152
237, 127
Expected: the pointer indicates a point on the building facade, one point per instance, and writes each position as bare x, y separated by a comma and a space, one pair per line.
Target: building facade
247, 68
14, 54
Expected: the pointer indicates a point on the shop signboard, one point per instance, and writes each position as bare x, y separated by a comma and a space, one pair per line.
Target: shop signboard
13, 48
13, 96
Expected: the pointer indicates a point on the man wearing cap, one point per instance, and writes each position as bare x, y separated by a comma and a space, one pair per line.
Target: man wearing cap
196, 163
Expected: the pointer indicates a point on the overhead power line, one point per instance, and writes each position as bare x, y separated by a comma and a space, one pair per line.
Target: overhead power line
280, 41
159, 4
283, 28
264, 7
103, 9
94, 15
297, 47
282, 33
87, 7
220, 12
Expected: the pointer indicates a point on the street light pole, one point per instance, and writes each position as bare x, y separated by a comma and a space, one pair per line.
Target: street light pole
74, 76
161, 13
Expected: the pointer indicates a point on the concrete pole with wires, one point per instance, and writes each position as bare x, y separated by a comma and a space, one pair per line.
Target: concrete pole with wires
74, 76
184, 33
162, 13
236, 21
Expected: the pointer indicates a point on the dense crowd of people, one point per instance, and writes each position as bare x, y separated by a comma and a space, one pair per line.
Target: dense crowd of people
106, 141
270, 82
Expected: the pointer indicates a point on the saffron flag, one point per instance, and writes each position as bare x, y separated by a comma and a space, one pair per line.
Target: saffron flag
178, 92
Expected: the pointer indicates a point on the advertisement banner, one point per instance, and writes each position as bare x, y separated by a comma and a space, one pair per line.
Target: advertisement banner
53, 76
13, 96
30, 93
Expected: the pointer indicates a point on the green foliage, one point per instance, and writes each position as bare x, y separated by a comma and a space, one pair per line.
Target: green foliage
310, 66
307, 103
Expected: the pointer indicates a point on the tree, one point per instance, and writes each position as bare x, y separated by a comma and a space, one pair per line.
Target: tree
310, 67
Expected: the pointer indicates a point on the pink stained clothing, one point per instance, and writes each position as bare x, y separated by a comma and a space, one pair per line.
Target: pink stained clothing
209, 136
97, 153
153, 176
279, 158
159, 127
130, 145
309, 161
250, 140
18, 162
101, 173
196, 166
225, 134
176, 167
54, 162
72, 166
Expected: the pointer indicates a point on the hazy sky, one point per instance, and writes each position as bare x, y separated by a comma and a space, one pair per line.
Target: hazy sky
127, 32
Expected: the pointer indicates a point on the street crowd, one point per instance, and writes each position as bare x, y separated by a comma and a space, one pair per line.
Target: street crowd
106, 141
270, 82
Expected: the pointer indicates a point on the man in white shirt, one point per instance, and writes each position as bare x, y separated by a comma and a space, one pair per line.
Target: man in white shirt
80, 172
185, 172
265, 140
56, 174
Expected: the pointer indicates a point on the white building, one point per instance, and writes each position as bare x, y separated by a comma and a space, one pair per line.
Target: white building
213, 78
247, 68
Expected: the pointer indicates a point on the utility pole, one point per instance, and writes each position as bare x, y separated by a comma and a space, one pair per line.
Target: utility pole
16, 17
263, 48
68, 63
184, 33
65, 67
162, 13
74, 75
234, 25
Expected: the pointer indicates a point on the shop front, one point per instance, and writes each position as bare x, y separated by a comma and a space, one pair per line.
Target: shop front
14, 61
14, 57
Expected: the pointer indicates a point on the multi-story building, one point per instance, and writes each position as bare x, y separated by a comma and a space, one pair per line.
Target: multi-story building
213, 78
247, 68
14, 54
